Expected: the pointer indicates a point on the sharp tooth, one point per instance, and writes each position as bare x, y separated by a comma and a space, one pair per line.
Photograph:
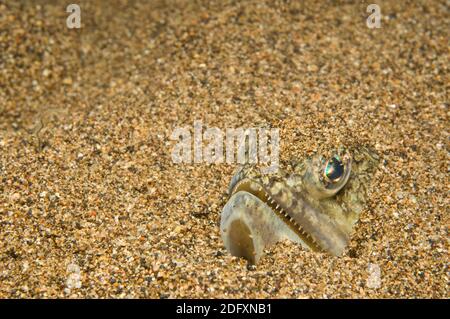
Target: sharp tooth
278, 206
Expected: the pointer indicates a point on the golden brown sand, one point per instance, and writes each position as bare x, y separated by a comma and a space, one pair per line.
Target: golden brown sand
91, 204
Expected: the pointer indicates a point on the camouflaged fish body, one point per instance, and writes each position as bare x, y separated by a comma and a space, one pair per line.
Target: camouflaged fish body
298, 204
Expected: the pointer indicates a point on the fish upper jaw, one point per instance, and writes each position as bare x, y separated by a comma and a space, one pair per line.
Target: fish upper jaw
315, 229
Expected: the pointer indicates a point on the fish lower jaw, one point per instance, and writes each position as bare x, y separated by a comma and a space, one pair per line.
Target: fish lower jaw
258, 191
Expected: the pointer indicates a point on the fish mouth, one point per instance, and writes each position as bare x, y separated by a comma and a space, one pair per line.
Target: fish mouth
262, 194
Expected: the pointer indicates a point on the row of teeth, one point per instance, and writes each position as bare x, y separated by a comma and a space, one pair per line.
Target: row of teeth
270, 200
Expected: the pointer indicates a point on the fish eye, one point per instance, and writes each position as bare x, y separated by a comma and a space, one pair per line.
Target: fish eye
333, 169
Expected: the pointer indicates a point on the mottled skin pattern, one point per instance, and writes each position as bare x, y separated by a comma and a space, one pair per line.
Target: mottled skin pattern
296, 203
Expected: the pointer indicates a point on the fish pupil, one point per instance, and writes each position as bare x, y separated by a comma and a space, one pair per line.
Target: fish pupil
334, 169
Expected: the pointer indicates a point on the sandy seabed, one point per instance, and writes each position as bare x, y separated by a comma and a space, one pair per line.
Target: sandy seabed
92, 205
